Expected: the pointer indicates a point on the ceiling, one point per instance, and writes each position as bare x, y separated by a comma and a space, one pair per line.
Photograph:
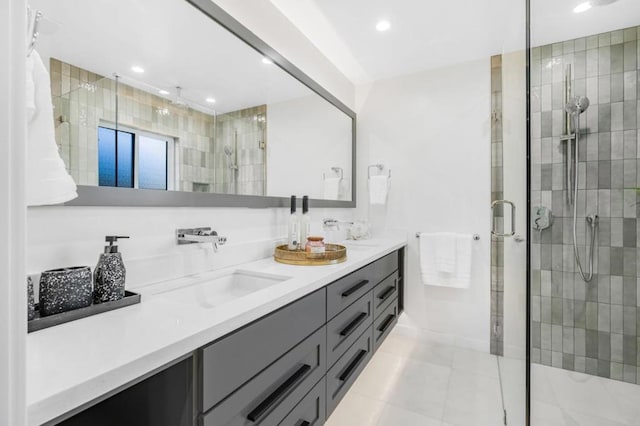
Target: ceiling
175, 44
428, 34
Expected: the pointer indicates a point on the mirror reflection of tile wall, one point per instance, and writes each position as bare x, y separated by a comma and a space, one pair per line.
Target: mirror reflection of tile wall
84, 100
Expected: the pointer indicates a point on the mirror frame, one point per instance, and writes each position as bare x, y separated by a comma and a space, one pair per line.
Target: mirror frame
125, 197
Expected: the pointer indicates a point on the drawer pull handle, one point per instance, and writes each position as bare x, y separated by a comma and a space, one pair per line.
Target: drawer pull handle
355, 288
353, 324
386, 323
269, 401
352, 366
385, 294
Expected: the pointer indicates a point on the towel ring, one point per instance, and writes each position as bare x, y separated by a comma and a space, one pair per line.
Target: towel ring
380, 167
337, 170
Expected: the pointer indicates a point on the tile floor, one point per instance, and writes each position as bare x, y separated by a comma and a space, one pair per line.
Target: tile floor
567, 398
412, 381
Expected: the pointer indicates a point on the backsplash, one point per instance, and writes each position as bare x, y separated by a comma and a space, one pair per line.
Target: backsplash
152, 254
588, 327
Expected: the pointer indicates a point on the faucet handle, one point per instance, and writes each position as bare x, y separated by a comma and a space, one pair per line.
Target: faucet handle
206, 232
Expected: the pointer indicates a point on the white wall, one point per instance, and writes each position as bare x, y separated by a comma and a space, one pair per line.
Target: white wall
432, 130
13, 294
326, 143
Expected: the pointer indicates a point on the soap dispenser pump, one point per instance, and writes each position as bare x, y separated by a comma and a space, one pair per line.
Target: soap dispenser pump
109, 275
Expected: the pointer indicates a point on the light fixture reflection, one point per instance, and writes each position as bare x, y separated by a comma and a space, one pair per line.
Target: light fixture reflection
582, 7
383, 25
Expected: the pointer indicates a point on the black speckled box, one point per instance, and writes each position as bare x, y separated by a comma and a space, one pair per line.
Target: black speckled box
31, 310
65, 289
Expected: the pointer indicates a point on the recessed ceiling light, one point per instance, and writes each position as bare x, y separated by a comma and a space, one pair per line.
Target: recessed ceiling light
582, 7
267, 61
137, 69
163, 92
383, 25
211, 100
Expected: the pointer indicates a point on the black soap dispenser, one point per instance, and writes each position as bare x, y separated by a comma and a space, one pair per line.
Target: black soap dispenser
109, 275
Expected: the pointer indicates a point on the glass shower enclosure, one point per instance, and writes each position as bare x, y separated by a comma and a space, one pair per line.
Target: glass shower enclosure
565, 215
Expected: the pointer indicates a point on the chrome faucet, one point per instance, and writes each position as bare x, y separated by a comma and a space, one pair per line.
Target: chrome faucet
200, 235
330, 224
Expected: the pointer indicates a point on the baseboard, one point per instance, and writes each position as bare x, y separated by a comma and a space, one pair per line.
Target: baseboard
405, 327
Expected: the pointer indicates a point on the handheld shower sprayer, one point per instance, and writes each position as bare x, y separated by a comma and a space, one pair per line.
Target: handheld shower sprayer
577, 105
574, 108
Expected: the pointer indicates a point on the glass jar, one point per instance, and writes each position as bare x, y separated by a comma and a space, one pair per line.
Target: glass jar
315, 245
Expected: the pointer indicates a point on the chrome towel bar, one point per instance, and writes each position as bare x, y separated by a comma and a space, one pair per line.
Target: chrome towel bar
476, 237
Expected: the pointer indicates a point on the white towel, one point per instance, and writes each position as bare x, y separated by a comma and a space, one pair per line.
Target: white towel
435, 267
445, 245
378, 189
48, 181
332, 188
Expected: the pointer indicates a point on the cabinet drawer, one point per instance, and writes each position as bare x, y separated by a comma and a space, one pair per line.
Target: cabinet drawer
269, 397
347, 290
347, 327
384, 293
311, 410
384, 323
341, 376
232, 361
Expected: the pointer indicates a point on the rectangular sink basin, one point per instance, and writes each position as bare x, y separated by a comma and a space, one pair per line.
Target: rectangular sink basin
209, 293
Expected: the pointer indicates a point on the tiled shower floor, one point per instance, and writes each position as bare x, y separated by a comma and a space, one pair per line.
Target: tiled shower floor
411, 381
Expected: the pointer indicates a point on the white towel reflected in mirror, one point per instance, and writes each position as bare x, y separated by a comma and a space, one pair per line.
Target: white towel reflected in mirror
48, 181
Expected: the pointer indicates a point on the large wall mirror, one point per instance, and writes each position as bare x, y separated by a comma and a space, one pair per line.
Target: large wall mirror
173, 102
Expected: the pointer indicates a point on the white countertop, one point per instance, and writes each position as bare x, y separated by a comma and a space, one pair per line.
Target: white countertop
72, 364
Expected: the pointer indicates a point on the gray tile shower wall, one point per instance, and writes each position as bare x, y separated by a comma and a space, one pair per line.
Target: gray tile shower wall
497, 244
588, 327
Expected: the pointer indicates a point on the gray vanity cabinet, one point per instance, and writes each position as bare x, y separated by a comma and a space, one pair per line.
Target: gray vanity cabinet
289, 368
341, 376
164, 399
347, 326
232, 361
345, 291
385, 293
311, 410
384, 322
272, 394
348, 356
293, 366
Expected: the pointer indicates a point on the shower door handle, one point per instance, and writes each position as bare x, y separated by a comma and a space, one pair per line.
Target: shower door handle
493, 218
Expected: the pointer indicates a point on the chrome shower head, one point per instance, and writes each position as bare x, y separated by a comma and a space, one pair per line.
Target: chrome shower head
577, 105
228, 150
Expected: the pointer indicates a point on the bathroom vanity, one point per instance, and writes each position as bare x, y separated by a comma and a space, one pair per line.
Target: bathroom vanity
284, 354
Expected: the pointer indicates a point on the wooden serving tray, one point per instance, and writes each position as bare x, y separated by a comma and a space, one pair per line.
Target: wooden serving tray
335, 253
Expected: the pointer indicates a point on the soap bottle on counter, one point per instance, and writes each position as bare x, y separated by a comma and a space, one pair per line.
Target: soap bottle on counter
109, 274
305, 222
293, 240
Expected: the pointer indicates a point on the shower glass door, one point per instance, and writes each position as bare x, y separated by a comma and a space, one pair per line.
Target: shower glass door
509, 213
508, 271
584, 345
